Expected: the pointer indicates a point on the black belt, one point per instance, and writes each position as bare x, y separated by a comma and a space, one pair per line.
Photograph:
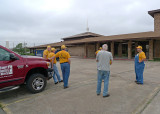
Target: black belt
64, 62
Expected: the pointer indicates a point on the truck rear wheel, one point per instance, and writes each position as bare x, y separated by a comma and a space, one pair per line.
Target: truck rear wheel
36, 83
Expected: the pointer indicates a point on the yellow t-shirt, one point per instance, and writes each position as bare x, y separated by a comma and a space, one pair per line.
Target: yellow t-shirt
46, 52
52, 55
142, 56
63, 56
97, 52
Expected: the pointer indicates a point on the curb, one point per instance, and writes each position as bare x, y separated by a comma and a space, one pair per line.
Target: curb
140, 108
5, 109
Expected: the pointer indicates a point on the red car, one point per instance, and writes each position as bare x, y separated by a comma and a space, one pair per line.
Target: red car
16, 69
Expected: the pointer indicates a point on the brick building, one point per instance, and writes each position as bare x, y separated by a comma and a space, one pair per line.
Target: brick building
121, 46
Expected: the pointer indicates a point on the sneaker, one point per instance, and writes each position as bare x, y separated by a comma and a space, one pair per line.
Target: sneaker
65, 87
139, 83
56, 83
60, 81
106, 95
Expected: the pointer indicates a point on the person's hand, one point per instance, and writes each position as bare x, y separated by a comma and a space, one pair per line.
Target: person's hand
69, 61
140, 61
110, 62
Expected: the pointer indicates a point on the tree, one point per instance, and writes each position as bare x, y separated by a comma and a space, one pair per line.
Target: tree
21, 49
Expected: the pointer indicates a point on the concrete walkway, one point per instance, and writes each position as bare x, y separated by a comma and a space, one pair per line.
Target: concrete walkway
80, 98
154, 106
1, 111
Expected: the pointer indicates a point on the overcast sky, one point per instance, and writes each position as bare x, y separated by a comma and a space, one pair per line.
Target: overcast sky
47, 21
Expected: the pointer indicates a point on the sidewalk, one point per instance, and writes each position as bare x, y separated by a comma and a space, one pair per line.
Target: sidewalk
1, 111
154, 106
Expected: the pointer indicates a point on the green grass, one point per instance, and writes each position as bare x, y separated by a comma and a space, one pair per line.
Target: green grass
155, 59
1, 105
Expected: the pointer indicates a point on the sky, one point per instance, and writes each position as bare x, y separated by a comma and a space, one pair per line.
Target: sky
38, 22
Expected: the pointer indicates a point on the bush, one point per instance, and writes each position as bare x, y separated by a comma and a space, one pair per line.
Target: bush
156, 59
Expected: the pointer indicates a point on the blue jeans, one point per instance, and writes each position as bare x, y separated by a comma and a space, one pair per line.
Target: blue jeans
65, 67
56, 73
103, 75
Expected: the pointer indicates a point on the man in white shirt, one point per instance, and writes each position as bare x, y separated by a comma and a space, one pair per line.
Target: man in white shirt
104, 60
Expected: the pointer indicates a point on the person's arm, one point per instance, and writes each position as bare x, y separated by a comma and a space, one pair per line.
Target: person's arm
95, 53
57, 55
50, 58
69, 60
52, 64
143, 56
53, 58
45, 54
111, 59
143, 59
97, 56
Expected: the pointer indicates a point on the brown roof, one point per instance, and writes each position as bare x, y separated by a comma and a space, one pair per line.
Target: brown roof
132, 36
51, 44
153, 12
85, 34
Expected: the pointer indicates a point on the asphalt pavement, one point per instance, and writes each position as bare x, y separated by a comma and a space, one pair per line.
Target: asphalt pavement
126, 97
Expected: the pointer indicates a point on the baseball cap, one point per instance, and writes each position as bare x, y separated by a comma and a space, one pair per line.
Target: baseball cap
63, 47
53, 49
48, 46
140, 47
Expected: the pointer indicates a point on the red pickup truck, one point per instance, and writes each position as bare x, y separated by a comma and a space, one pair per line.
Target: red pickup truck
16, 69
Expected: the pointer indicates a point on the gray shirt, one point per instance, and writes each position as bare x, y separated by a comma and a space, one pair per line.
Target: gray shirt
103, 57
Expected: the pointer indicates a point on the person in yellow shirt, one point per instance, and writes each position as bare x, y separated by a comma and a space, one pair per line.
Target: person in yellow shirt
139, 65
98, 50
46, 52
64, 58
55, 69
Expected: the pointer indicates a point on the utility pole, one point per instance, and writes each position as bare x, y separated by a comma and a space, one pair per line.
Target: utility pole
7, 44
24, 47
13, 44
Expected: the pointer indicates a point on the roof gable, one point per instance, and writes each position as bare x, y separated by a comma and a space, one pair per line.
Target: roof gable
83, 35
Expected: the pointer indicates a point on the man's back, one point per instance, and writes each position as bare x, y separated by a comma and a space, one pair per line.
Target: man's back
103, 58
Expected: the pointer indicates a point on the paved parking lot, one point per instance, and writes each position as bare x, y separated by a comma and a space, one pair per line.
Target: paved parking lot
80, 98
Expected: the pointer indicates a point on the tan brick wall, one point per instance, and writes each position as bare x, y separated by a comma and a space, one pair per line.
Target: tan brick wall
77, 50
91, 50
120, 50
151, 49
97, 46
157, 49
112, 48
157, 22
